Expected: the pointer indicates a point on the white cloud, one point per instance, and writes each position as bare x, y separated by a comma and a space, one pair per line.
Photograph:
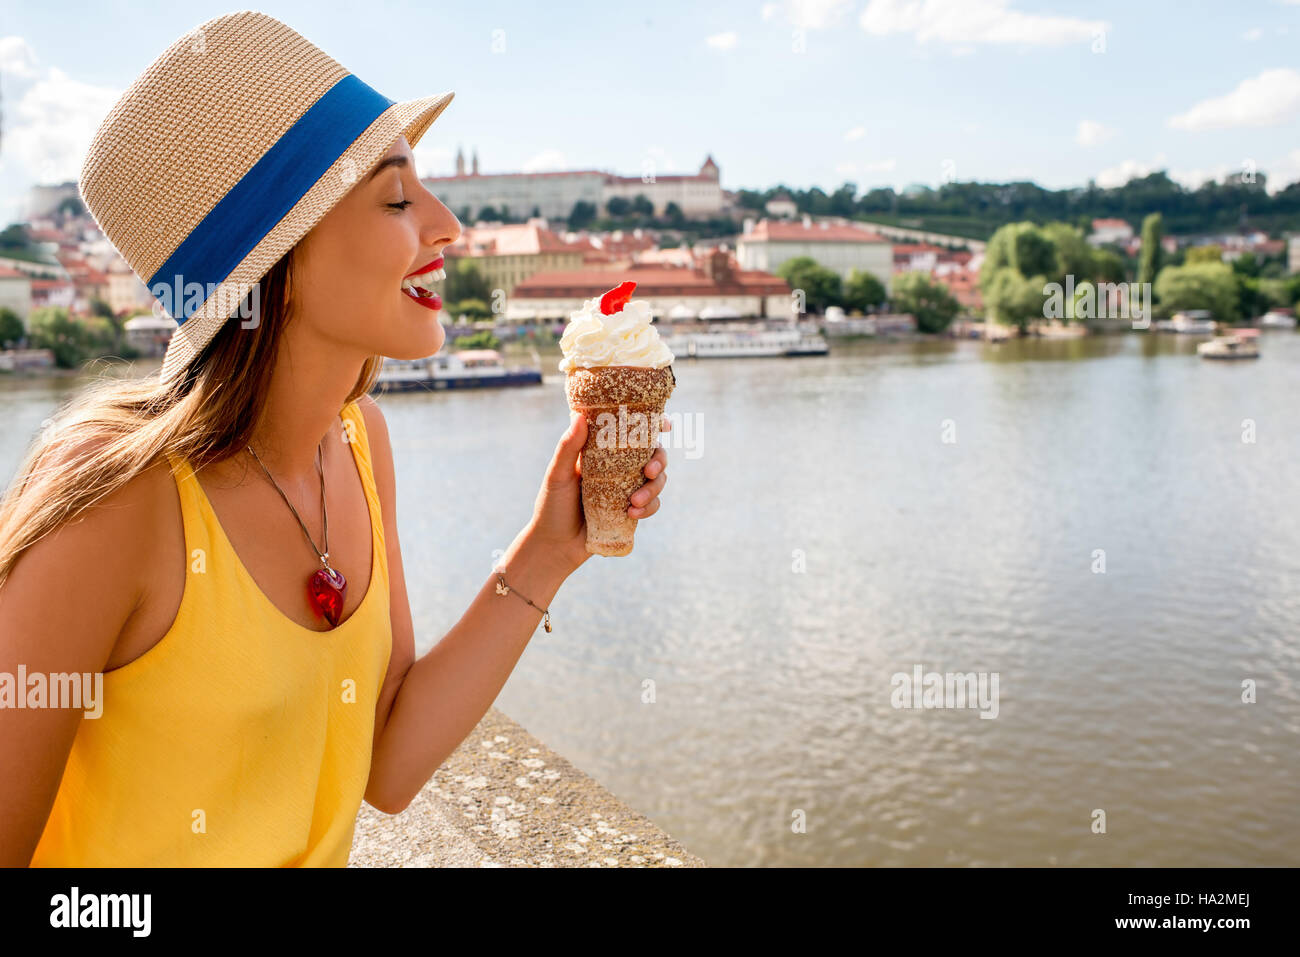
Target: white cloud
1269, 99
545, 160
53, 123
1091, 133
723, 41
855, 134
1194, 177
17, 59
1284, 171
808, 14
1114, 176
963, 23
1254, 33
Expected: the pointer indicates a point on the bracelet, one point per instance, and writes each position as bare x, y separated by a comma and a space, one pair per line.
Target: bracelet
504, 589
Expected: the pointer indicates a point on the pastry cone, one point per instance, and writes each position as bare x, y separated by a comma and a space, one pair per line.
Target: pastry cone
610, 474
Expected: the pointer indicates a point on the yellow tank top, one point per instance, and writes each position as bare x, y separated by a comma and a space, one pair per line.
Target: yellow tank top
242, 738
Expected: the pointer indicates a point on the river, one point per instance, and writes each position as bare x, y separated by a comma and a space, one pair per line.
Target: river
1108, 526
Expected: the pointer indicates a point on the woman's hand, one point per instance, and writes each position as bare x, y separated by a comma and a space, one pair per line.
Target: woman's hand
558, 521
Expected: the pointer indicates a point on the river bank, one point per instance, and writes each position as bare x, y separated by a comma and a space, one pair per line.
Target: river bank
504, 799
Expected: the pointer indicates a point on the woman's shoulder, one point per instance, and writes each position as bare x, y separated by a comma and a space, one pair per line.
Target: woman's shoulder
92, 573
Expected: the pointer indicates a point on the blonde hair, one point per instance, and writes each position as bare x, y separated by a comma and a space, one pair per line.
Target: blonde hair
114, 429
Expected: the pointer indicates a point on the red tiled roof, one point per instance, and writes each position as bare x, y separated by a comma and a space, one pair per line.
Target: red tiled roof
656, 279
7, 272
1110, 224
514, 239
796, 232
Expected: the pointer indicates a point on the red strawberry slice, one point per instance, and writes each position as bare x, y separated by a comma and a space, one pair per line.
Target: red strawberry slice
614, 300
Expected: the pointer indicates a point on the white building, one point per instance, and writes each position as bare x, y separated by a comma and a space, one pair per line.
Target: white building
1293, 253
781, 206
712, 288
16, 292
552, 195
769, 243
1105, 231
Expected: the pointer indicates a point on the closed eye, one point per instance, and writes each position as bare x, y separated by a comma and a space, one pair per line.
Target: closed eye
402, 205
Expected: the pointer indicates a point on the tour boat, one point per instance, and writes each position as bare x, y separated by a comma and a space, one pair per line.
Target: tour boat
737, 344
1277, 319
1240, 344
468, 369
1196, 322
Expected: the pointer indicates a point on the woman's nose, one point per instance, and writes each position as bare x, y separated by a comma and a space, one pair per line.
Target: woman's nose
443, 228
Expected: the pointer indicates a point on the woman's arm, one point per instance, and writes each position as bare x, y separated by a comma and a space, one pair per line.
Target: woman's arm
62, 608
439, 699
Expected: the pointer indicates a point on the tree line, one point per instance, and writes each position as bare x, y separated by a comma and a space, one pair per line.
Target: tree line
978, 209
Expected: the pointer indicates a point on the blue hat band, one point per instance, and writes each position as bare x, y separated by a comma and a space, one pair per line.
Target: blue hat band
267, 192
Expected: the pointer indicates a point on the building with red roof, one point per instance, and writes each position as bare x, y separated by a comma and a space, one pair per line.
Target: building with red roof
715, 286
842, 247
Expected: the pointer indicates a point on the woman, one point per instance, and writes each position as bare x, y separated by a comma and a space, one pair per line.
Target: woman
162, 531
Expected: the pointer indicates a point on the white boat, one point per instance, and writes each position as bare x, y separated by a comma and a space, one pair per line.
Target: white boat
1195, 322
467, 369
1241, 344
1277, 319
746, 343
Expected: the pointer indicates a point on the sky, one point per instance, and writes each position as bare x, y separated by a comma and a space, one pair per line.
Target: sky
800, 93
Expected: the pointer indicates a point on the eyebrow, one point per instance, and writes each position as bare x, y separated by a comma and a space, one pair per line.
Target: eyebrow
384, 164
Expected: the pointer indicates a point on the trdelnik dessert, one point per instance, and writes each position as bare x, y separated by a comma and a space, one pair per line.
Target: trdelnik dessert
618, 373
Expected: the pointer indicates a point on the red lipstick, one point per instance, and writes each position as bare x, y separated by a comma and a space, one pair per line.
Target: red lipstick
436, 264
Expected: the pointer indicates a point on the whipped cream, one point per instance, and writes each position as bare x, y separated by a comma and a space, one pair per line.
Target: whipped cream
623, 338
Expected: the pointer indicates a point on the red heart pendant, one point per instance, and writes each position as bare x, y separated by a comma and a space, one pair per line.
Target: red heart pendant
326, 590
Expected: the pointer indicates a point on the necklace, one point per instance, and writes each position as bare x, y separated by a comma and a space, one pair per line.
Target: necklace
326, 587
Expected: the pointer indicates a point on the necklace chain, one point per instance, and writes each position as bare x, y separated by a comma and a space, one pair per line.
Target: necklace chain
325, 521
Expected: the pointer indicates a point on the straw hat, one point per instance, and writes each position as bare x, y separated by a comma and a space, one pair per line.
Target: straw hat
233, 144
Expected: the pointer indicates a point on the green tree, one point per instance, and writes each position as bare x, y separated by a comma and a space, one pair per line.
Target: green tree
1209, 286
618, 206
71, 340
1246, 265
929, 302
1022, 247
821, 287
1012, 299
1203, 254
488, 214
673, 213
483, 339
1152, 259
472, 308
1074, 257
464, 281
582, 214
642, 206
863, 291
11, 328
1108, 266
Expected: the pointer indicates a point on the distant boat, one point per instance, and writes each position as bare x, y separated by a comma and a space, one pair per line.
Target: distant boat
468, 369
1277, 319
1195, 322
1241, 344
739, 344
